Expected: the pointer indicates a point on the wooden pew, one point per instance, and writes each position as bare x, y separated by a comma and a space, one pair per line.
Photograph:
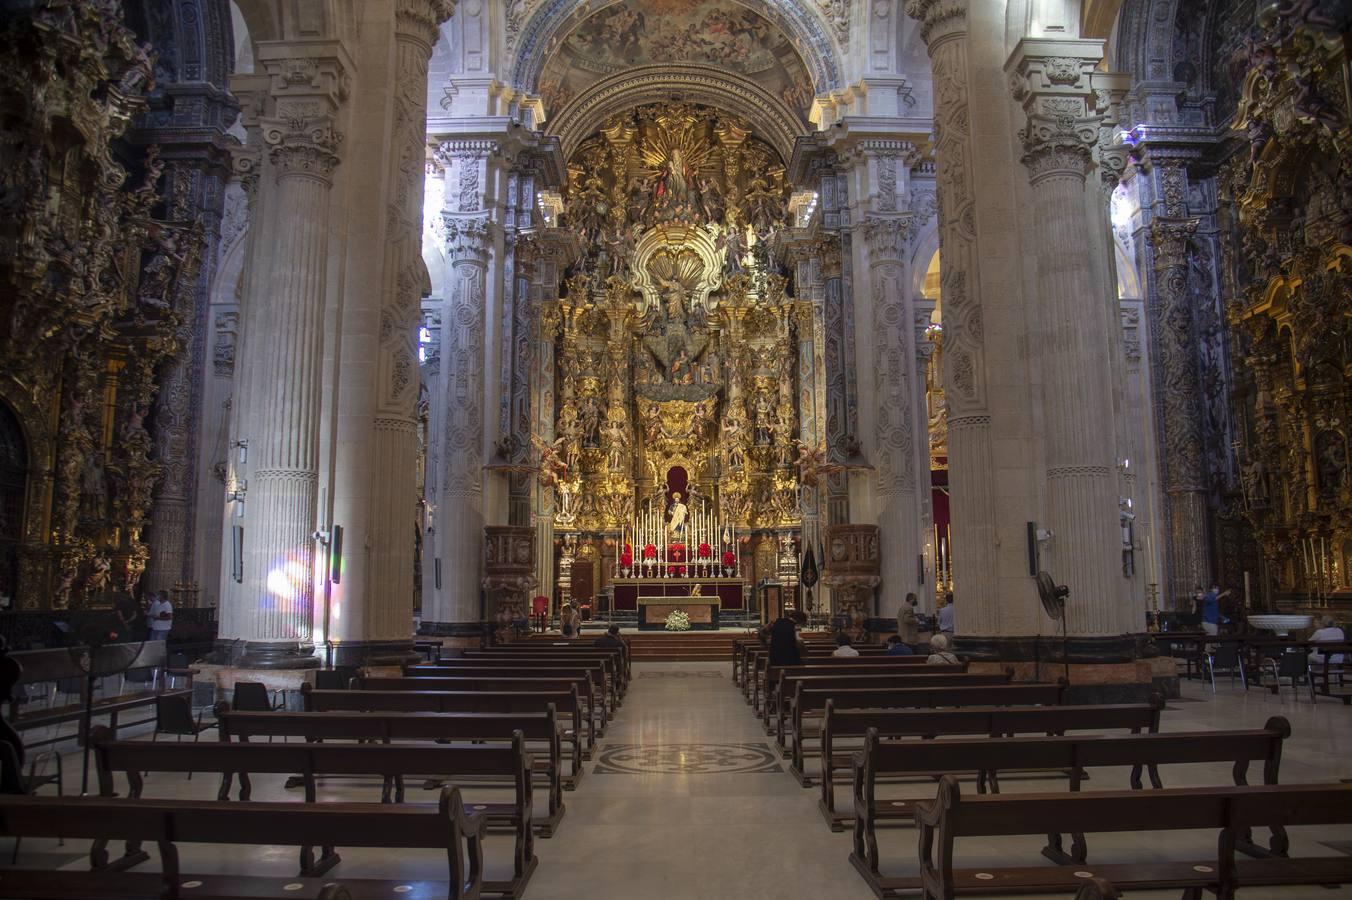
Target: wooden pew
993, 721
758, 659
539, 729
387, 761
811, 700
1229, 810
921, 758
767, 690
605, 689
904, 677
443, 827
605, 668
555, 646
614, 657
567, 704
595, 710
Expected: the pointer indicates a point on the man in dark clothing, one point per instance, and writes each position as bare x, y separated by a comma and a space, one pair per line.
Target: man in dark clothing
784, 643
610, 639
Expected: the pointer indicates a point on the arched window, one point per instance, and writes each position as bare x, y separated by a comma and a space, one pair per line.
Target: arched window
13, 488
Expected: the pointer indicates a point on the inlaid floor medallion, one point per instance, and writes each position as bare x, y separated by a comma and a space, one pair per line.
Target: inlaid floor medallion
687, 759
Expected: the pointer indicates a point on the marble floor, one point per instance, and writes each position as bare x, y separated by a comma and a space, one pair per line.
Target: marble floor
686, 798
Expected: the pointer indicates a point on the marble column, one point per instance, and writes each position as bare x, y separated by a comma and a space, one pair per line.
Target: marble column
1184, 466
280, 414
893, 411
944, 28
460, 514
375, 486
1077, 324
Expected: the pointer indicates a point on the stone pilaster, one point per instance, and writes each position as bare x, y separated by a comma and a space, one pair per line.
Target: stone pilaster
893, 394
460, 514
1185, 480
1051, 80
375, 470
944, 28
279, 417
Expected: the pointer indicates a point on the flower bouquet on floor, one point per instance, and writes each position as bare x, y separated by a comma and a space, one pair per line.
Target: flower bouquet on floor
678, 620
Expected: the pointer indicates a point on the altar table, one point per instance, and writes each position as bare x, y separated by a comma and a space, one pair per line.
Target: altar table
653, 612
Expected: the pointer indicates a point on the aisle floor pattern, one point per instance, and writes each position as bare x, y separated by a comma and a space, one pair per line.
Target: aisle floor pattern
687, 798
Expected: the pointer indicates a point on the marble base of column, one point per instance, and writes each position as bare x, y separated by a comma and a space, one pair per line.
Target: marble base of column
375, 653
266, 654
1102, 669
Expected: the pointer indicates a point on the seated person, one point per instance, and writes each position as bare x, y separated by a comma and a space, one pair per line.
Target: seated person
843, 647
940, 655
1328, 632
610, 639
897, 647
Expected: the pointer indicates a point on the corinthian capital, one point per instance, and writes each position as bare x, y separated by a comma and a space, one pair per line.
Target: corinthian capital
1052, 79
302, 147
1170, 238
466, 236
939, 19
421, 19
887, 236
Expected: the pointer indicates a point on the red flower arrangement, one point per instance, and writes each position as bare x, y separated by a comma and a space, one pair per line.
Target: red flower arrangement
729, 559
705, 551
650, 551
627, 556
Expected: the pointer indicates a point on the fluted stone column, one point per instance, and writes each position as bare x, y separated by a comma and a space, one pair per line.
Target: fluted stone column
272, 612
1181, 420
1051, 79
971, 467
894, 408
460, 518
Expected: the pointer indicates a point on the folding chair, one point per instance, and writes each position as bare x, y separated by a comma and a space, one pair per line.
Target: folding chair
173, 715
1226, 657
1291, 664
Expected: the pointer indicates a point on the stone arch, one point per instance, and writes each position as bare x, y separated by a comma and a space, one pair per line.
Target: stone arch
925, 246
553, 20
768, 115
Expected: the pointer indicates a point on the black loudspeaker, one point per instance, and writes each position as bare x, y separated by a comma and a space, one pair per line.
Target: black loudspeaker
336, 561
1032, 549
237, 553
437, 566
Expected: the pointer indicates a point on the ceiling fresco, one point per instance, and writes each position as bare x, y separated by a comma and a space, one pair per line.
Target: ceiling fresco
652, 32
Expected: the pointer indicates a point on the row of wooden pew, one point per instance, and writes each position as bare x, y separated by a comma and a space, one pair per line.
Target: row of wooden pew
498, 718
874, 721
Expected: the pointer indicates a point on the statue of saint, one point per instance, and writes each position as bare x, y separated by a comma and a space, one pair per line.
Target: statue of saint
676, 521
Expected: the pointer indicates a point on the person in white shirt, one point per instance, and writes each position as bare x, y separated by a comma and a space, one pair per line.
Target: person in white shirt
161, 616
946, 616
1328, 632
843, 647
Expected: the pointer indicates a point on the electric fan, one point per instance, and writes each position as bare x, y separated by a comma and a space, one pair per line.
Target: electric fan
1053, 597
97, 650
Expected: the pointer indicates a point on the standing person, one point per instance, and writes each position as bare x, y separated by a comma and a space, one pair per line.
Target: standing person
843, 647
161, 615
946, 614
908, 626
577, 620
566, 620
1211, 609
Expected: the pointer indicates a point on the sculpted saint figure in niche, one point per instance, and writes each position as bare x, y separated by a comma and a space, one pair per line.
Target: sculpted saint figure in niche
676, 523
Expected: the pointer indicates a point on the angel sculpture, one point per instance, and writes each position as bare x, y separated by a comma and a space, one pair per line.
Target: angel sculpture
553, 470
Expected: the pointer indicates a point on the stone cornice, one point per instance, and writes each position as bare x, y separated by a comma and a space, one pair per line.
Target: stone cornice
498, 136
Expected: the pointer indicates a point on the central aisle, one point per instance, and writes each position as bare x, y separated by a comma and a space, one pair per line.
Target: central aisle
687, 798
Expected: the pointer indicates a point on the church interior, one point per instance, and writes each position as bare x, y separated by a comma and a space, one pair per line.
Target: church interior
791, 415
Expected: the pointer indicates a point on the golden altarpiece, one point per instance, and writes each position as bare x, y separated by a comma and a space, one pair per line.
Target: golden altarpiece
675, 447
